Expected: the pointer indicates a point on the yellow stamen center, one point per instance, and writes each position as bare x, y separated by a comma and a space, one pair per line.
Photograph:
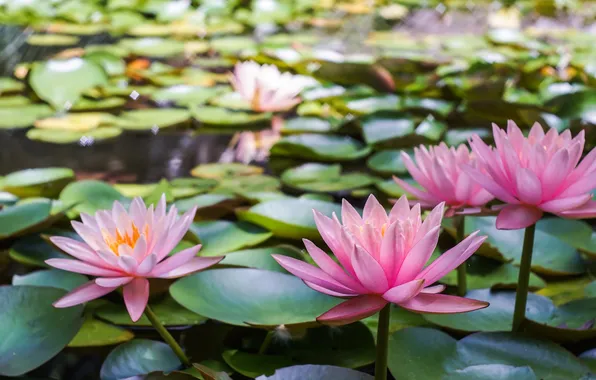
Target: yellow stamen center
130, 240
383, 229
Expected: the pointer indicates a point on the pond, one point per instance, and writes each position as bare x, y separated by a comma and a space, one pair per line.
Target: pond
297, 189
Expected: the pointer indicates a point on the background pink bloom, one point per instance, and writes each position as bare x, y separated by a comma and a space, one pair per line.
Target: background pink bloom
438, 170
382, 259
123, 248
265, 87
536, 174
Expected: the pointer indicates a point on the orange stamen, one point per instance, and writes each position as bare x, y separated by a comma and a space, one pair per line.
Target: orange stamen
130, 240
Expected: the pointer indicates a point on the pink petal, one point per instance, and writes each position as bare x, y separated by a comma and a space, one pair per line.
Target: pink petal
489, 184
451, 259
77, 250
369, 271
194, 265
565, 204
83, 293
310, 273
390, 255
404, 292
82, 267
140, 249
587, 211
464, 188
400, 209
442, 304
176, 260
418, 256
529, 188
329, 266
321, 289
353, 310
336, 239
433, 289
136, 296
113, 282
147, 265
515, 217
583, 185
374, 213
128, 264
413, 190
349, 215
555, 173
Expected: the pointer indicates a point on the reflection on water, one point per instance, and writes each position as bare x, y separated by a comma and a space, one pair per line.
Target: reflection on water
135, 157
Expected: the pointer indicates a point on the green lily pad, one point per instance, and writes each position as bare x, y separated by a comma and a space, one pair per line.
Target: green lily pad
112, 63
52, 278
221, 117
391, 188
184, 95
95, 333
153, 47
33, 330
455, 137
492, 372
167, 310
220, 171
62, 82
370, 104
316, 372
424, 353
576, 233
231, 100
46, 182
23, 116
390, 130
498, 316
52, 40
289, 218
233, 44
260, 258
204, 202
90, 196
131, 190
324, 178
570, 322
387, 162
589, 358
320, 147
22, 219
99, 105
253, 365
138, 357
9, 85
34, 250
245, 296
84, 138
222, 236
14, 101
310, 125
152, 119
399, 318
243, 184
551, 256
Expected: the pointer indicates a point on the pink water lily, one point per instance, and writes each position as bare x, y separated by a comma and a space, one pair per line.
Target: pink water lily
265, 87
438, 170
535, 174
382, 260
123, 248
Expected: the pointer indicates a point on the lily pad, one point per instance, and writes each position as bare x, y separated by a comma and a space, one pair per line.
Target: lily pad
153, 47
324, 178
138, 357
107, 104
152, 119
9, 85
34, 250
389, 130
220, 171
33, 330
320, 147
260, 258
387, 162
46, 182
83, 138
221, 117
78, 122
316, 372
289, 218
62, 82
95, 333
309, 125
245, 184
23, 116
22, 219
52, 278
52, 40
167, 310
245, 296
14, 101
206, 203
90, 196
221, 236
112, 64
184, 95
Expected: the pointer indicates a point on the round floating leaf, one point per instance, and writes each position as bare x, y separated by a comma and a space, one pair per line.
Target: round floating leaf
498, 316
150, 119
309, 125
221, 117
9, 85
99, 105
79, 122
589, 358
387, 162
245, 184
233, 44
184, 95
222, 236
34, 250
253, 365
138, 357
289, 218
21, 219
204, 202
33, 330
84, 138
316, 372
62, 82
320, 147
260, 258
112, 64
14, 101
95, 333
45, 182
399, 319
576, 233
52, 40
571, 322
153, 47
324, 178
23, 116
246, 296
233, 101
52, 278
492, 372
90, 196
167, 310
551, 256
455, 137
391, 130
220, 171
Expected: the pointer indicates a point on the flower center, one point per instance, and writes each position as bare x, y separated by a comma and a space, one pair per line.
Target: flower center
383, 229
130, 240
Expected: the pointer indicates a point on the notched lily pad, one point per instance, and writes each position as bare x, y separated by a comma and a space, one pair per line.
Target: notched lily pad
320, 147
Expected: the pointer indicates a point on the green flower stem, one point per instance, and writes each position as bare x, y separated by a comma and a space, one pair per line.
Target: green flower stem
266, 342
382, 343
462, 285
523, 280
167, 336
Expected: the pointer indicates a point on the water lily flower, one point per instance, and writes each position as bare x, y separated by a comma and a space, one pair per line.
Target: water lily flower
382, 260
535, 174
265, 87
438, 170
124, 248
